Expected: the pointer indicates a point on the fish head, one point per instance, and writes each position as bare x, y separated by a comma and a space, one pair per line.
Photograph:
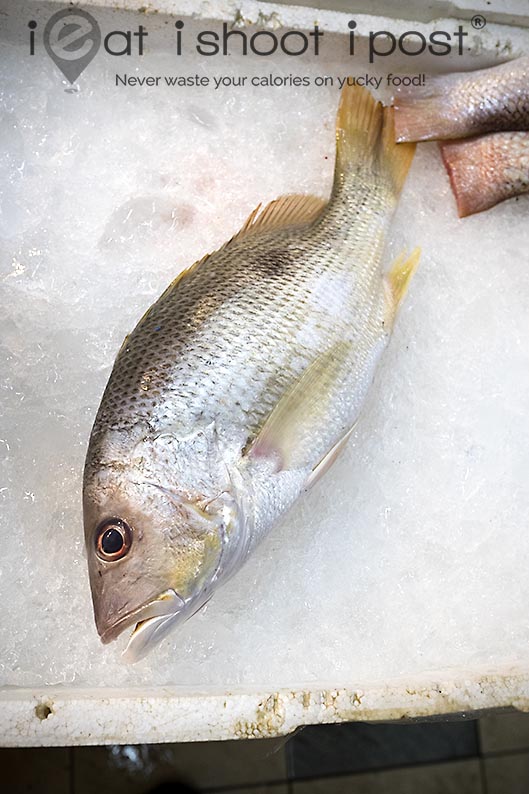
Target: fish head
160, 528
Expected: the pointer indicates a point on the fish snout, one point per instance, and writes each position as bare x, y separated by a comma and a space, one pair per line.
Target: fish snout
112, 621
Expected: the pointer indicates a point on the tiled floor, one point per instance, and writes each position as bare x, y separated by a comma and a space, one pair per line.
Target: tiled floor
486, 756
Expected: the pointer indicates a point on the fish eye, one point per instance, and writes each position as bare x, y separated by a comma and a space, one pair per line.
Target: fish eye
113, 539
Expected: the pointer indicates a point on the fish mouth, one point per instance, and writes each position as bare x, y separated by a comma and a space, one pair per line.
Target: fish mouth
149, 618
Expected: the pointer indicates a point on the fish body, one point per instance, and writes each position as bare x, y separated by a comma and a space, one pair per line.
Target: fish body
463, 104
239, 387
486, 170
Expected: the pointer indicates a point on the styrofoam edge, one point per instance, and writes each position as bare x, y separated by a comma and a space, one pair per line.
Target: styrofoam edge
503, 40
61, 716
505, 12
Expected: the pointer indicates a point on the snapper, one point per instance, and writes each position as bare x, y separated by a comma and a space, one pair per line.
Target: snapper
240, 385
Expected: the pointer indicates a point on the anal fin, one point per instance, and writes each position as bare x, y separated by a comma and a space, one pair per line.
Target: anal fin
398, 279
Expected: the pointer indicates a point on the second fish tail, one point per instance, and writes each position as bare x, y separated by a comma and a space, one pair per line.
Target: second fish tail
426, 112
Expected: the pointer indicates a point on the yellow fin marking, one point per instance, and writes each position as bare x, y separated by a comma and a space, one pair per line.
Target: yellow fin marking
399, 277
365, 132
291, 210
397, 157
358, 125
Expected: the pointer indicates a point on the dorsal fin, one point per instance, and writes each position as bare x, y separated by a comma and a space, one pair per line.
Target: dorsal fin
294, 209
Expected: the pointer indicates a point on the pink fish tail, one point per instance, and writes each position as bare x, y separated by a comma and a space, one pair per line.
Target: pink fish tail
423, 113
466, 164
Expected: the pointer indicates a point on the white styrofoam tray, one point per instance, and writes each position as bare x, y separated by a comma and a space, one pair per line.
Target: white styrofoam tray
70, 714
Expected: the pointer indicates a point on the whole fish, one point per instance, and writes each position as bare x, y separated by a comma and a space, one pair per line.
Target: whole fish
462, 104
239, 387
486, 170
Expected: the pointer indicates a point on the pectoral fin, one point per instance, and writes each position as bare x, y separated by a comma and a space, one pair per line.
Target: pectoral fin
286, 435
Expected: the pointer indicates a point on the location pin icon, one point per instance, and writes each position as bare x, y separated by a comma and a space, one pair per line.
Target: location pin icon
72, 37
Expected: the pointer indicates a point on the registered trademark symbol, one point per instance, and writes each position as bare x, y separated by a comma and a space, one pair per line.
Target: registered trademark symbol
478, 21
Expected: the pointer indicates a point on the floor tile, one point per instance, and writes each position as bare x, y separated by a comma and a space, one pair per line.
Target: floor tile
40, 769
499, 732
323, 750
170, 788
265, 788
507, 774
453, 777
201, 765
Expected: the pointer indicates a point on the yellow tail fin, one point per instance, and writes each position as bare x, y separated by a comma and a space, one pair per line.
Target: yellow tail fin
397, 157
365, 133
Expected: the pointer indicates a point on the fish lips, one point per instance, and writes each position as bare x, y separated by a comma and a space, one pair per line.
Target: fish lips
165, 606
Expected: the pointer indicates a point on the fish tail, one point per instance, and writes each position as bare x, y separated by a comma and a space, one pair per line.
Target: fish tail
396, 158
422, 112
365, 139
459, 168
358, 127
465, 162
